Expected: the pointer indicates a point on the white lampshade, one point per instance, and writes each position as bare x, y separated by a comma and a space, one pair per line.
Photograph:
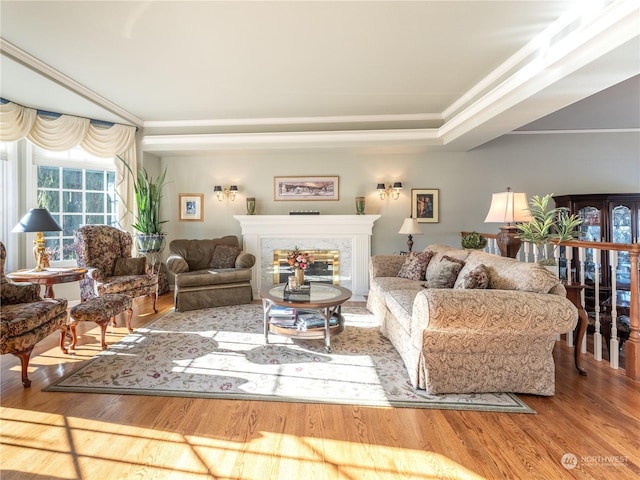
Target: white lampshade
509, 207
410, 227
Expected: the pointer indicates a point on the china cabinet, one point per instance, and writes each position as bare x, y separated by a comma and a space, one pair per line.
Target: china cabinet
606, 218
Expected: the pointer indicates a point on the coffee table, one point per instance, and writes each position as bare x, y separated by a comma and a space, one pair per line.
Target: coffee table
324, 298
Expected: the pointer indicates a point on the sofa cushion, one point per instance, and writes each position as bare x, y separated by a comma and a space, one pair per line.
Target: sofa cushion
511, 274
441, 250
129, 266
400, 304
415, 265
381, 285
476, 278
445, 273
198, 253
224, 256
206, 278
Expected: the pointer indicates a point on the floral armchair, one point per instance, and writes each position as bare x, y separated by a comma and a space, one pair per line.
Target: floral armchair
25, 318
106, 254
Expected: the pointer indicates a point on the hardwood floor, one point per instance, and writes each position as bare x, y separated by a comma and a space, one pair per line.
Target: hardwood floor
94, 436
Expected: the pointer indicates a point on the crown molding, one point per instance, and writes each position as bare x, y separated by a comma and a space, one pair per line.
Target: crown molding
168, 143
16, 53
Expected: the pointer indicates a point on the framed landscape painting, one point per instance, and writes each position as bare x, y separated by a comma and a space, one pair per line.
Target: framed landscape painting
425, 205
306, 188
190, 207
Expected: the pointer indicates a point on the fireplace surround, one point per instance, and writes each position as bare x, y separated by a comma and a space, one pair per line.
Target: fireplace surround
350, 235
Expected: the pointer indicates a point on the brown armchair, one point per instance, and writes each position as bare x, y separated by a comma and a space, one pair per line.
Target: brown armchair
106, 254
25, 318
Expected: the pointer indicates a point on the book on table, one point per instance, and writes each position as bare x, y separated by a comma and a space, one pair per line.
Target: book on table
288, 317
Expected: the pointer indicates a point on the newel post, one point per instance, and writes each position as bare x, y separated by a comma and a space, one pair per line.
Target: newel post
632, 346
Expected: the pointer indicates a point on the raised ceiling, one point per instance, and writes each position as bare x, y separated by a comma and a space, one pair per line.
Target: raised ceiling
211, 74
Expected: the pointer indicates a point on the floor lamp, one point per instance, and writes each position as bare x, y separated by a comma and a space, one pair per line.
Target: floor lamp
508, 207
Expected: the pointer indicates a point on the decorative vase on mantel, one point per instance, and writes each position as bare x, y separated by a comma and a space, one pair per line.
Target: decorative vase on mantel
251, 206
299, 273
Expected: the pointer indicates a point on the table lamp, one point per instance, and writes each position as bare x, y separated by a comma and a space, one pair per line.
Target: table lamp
38, 220
508, 207
410, 227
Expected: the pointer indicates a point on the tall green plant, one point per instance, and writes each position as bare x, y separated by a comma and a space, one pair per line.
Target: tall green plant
148, 195
548, 224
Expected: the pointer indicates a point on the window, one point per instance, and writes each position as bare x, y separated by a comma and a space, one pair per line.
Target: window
77, 189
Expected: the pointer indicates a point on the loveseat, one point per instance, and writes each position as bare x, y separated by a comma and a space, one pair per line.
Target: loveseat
470, 321
210, 273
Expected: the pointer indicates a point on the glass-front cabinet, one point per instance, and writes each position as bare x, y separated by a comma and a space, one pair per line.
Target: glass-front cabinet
606, 218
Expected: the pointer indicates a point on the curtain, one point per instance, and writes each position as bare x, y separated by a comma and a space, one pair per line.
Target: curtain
66, 132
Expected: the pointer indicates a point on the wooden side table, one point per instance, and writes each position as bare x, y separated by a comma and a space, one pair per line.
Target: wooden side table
573, 294
48, 277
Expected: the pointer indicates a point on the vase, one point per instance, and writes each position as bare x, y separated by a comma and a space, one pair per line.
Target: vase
360, 205
251, 206
300, 276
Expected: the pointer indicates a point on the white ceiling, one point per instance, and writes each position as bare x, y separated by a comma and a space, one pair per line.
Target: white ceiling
213, 74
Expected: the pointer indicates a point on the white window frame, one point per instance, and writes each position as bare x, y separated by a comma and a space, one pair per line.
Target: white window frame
74, 158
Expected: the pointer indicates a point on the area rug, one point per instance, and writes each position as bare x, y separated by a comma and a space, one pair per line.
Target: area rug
221, 353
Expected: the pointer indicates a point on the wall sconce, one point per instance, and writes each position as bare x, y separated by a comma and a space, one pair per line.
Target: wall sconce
392, 191
228, 192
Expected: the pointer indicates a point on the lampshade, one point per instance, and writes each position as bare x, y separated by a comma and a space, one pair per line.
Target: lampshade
397, 185
233, 188
217, 188
380, 186
410, 227
37, 220
508, 207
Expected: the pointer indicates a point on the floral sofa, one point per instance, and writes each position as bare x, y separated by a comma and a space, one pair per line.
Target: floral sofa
210, 273
25, 318
470, 321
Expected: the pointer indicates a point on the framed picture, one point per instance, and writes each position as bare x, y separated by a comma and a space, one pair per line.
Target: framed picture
191, 207
425, 205
306, 188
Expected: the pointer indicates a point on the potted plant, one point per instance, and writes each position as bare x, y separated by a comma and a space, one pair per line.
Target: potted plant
547, 225
474, 241
148, 194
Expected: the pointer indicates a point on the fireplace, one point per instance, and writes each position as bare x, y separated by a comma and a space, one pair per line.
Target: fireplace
324, 269
350, 235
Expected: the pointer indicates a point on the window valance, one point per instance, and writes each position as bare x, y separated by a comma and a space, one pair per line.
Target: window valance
67, 131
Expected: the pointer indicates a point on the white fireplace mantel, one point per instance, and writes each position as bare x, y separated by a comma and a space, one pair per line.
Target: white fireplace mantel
351, 234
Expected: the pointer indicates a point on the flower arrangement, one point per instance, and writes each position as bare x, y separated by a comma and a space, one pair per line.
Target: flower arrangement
298, 259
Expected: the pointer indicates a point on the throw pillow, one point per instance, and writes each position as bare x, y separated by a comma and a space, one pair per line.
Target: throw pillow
129, 266
224, 256
415, 265
445, 273
476, 278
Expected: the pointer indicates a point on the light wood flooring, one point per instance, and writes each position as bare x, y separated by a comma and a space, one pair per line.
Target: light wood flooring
94, 436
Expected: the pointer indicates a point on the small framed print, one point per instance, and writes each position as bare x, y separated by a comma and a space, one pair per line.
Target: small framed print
191, 207
425, 205
306, 188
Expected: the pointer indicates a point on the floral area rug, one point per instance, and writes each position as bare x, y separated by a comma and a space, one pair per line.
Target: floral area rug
221, 353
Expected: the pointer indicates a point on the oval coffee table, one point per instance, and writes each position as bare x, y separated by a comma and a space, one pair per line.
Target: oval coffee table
324, 298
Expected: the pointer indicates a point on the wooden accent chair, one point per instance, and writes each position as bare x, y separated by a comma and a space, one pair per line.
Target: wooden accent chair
105, 252
25, 318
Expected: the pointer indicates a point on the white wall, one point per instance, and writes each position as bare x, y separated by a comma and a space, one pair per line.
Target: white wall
535, 164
